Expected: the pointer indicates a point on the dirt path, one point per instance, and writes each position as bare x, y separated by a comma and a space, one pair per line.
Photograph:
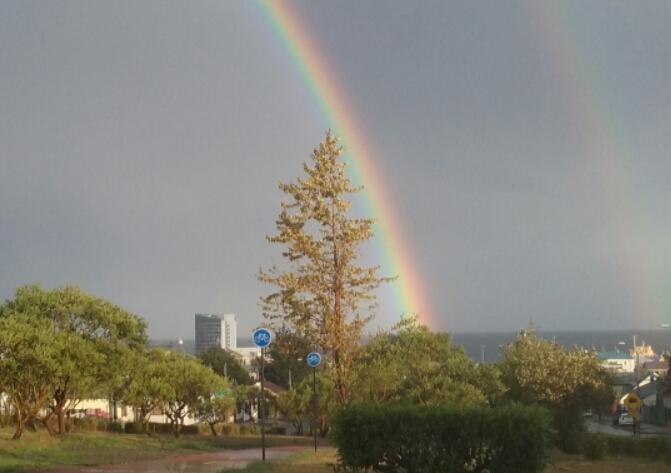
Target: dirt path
211, 462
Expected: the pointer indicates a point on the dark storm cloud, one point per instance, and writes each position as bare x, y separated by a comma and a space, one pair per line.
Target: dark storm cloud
141, 144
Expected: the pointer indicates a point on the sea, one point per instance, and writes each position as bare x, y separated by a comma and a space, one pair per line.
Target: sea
486, 346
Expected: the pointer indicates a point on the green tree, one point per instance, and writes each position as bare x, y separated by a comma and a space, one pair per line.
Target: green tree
150, 386
287, 363
324, 294
217, 408
420, 366
190, 383
29, 362
225, 363
294, 405
567, 381
99, 333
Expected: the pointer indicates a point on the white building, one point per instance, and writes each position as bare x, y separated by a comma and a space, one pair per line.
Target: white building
617, 362
216, 330
247, 355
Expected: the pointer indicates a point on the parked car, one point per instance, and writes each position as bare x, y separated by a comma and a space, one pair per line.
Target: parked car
625, 419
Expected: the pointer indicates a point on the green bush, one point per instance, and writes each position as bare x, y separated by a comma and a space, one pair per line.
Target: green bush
441, 439
133, 428
277, 430
158, 428
115, 427
651, 448
246, 429
594, 447
88, 424
228, 429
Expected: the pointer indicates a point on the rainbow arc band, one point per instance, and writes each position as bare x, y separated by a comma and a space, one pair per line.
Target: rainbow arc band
339, 115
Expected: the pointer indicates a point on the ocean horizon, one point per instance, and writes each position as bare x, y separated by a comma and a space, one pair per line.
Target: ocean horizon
487, 346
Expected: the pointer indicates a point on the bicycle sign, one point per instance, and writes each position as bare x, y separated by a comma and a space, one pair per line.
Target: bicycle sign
262, 337
314, 359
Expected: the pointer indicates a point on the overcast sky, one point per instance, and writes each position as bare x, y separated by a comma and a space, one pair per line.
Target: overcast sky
525, 144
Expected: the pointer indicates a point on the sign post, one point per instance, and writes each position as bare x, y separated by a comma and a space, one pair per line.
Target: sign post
314, 359
262, 338
633, 403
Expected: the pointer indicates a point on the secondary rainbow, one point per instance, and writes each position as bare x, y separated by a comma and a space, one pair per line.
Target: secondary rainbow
340, 116
593, 112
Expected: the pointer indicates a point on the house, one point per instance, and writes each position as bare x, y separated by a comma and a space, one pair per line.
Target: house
659, 367
617, 362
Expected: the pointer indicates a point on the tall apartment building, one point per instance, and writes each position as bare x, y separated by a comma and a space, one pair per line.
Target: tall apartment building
216, 330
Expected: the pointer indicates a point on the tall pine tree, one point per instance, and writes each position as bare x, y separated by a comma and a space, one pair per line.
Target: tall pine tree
324, 293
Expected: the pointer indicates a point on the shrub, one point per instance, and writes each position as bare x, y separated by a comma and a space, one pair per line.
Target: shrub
246, 429
652, 448
594, 447
133, 428
88, 424
277, 430
115, 427
229, 429
441, 439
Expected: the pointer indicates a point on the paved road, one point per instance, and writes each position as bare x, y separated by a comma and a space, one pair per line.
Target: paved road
190, 463
606, 427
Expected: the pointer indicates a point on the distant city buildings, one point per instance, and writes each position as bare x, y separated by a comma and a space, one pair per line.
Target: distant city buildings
617, 362
216, 330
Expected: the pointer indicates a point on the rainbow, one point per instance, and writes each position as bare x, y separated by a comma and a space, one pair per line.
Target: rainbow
342, 119
585, 91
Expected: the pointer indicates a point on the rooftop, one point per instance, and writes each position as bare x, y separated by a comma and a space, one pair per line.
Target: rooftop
614, 355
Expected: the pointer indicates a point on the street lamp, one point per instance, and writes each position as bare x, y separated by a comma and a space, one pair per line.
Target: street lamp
297, 359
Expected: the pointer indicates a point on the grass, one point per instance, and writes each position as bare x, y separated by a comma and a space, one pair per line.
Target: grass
323, 461
41, 451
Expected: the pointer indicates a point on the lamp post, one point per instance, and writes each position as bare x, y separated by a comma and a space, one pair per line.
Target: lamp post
297, 359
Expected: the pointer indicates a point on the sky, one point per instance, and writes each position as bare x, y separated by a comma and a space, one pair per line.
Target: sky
524, 146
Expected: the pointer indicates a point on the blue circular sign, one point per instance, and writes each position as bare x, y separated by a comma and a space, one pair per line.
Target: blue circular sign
314, 359
262, 337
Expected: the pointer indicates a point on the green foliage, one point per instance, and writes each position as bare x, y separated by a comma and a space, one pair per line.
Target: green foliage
92, 336
440, 439
299, 407
294, 405
324, 294
420, 366
150, 385
651, 448
225, 363
594, 447
567, 381
29, 364
287, 355
190, 382
216, 408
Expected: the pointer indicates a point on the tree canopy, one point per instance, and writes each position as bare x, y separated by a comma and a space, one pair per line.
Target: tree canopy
420, 366
324, 293
567, 381
89, 340
225, 363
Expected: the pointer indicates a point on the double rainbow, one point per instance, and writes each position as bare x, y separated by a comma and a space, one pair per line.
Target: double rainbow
340, 116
